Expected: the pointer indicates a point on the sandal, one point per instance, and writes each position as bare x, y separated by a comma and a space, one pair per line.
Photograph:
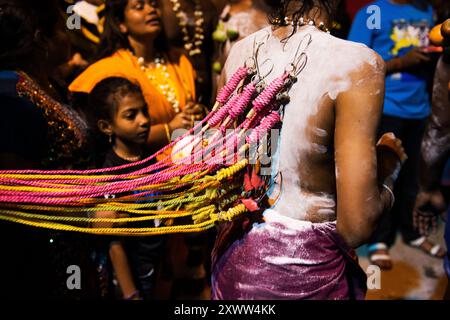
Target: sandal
434, 250
379, 256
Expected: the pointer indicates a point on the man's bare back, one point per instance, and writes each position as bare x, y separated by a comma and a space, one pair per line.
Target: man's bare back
307, 151
334, 187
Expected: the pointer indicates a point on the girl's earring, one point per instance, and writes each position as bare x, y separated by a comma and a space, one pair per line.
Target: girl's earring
110, 138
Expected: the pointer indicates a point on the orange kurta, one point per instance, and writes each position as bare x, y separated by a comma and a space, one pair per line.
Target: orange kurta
123, 64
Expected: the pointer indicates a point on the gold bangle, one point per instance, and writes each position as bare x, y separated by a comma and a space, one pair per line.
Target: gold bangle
166, 127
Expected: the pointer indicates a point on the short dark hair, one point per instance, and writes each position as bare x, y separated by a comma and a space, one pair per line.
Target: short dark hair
281, 9
103, 100
21, 21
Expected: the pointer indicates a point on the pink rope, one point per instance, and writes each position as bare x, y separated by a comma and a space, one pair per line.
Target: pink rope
222, 112
65, 197
269, 93
267, 123
82, 189
232, 84
243, 101
222, 98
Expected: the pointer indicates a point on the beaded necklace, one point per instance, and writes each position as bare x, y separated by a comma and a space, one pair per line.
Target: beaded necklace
302, 22
129, 159
191, 44
160, 79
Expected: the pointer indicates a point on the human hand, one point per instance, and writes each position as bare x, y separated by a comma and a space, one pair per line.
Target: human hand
391, 156
428, 206
78, 61
195, 109
414, 57
182, 120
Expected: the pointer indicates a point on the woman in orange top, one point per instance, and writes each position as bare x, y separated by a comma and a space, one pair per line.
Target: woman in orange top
134, 47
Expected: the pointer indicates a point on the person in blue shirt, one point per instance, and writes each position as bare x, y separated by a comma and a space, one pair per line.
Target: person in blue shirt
398, 31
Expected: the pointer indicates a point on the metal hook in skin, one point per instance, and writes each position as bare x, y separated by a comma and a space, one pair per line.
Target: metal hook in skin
261, 78
255, 57
301, 63
309, 37
252, 61
258, 78
261, 42
300, 58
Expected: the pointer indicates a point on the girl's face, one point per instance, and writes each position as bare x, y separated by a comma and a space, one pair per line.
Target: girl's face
141, 18
131, 122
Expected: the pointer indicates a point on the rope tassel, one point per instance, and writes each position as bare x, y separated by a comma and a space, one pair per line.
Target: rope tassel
206, 191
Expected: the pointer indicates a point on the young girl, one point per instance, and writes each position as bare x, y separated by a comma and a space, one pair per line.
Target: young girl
120, 113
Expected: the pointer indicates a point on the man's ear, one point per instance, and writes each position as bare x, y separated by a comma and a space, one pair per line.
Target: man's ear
105, 127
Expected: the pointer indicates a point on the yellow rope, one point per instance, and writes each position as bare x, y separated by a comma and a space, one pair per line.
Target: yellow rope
232, 213
88, 219
116, 231
196, 202
231, 171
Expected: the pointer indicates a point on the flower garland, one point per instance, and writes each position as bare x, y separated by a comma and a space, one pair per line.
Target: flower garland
191, 44
162, 83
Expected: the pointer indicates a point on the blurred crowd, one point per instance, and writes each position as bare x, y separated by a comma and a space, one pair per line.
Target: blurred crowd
96, 84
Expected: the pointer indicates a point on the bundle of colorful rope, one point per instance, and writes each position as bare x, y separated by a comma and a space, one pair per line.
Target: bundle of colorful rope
188, 194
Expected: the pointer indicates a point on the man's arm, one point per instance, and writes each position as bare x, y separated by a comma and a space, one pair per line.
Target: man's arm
413, 58
435, 151
360, 198
436, 141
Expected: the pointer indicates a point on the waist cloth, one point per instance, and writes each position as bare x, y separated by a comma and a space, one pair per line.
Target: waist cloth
285, 258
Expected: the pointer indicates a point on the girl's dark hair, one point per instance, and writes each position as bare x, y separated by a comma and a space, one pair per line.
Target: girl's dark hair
283, 8
112, 38
104, 99
103, 103
23, 24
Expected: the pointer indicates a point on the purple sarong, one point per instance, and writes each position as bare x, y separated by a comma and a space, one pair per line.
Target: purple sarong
284, 258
